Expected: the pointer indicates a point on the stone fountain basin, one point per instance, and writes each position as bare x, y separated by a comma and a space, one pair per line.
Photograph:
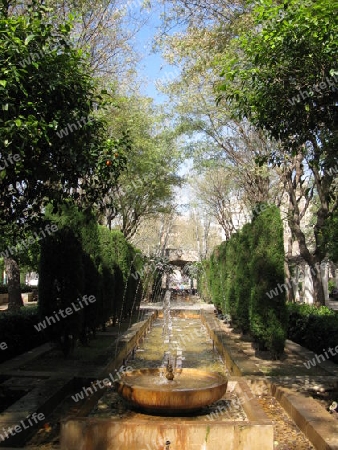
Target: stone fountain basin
191, 390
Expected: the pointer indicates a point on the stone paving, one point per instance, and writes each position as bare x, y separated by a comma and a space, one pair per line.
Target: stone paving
304, 393
287, 380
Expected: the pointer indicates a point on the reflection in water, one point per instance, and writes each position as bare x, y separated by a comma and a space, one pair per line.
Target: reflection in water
189, 346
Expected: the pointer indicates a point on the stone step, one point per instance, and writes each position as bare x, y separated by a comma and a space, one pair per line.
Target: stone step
39, 401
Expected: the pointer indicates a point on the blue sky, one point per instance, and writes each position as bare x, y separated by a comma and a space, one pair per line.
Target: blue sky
152, 66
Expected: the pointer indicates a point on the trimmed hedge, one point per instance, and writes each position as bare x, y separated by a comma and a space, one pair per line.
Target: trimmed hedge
243, 270
268, 316
61, 284
18, 332
85, 259
80, 259
313, 328
242, 281
24, 288
123, 260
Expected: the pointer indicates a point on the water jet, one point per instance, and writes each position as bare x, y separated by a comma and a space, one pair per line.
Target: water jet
151, 410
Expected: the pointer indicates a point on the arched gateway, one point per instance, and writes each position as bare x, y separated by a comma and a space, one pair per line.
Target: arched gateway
183, 277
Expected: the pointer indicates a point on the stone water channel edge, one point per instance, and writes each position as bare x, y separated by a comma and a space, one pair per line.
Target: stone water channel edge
113, 425
265, 391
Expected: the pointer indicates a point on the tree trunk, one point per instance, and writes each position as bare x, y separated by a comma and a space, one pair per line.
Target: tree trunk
289, 281
293, 176
318, 290
14, 289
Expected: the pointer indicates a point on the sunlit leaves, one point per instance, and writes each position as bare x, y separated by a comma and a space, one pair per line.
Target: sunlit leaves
282, 61
47, 116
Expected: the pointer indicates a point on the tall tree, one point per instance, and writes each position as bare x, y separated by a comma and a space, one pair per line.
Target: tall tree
146, 189
51, 139
211, 132
223, 199
281, 75
104, 30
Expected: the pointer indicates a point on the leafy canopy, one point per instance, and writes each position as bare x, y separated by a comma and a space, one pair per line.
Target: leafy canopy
281, 73
49, 124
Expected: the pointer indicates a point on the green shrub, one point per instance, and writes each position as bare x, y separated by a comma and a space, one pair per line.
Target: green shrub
229, 275
61, 285
91, 316
312, 327
203, 280
219, 283
268, 321
123, 292
18, 332
24, 288
243, 270
331, 285
242, 280
107, 263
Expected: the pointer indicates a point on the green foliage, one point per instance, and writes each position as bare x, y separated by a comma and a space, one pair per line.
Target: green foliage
331, 285
230, 269
61, 285
117, 253
216, 276
48, 126
204, 278
267, 272
242, 280
17, 330
146, 187
100, 263
330, 235
243, 270
91, 313
312, 327
289, 49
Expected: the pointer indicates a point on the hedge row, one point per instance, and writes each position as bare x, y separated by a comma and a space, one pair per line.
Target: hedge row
243, 271
83, 260
24, 288
313, 328
18, 333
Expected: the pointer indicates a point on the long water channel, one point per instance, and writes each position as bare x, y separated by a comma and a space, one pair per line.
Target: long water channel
188, 345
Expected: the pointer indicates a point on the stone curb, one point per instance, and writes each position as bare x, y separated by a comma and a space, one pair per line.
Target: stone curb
312, 419
59, 383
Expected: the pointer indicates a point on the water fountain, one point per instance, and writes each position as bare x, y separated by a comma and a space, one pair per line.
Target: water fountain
165, 398
148, 391
171, 389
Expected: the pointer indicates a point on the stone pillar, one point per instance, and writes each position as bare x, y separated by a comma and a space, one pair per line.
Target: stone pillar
294, 284
324, 272
308, 286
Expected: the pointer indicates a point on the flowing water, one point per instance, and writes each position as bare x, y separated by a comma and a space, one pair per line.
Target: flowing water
189, 345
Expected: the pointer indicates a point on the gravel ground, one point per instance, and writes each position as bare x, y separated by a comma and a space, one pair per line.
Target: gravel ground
287, 436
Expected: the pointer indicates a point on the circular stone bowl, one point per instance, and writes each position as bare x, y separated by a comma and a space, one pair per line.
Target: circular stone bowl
192, 389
